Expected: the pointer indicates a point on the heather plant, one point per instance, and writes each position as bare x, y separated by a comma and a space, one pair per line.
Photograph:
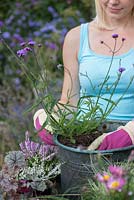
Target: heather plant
32, 168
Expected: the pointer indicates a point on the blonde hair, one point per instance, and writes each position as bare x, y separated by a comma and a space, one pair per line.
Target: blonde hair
101, 17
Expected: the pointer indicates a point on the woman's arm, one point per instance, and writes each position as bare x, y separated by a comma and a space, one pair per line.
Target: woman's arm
71, 87
70, 90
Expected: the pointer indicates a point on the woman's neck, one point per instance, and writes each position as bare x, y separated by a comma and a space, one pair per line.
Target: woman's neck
112, 24
119, 24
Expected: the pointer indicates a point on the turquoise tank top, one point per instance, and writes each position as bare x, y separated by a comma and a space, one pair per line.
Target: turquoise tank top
92, 71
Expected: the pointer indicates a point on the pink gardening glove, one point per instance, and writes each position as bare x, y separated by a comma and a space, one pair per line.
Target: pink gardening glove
116, 139
122, 137
44, 134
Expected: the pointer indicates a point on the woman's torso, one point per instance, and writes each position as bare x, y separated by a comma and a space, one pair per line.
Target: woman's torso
92, 71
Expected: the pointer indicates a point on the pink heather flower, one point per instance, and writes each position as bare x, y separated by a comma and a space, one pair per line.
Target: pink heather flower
121, 69
103, 177
29, 148
115, 35
116, 171
115, 183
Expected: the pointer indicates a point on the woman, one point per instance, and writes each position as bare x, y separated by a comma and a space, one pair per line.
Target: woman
83, 52
85, 55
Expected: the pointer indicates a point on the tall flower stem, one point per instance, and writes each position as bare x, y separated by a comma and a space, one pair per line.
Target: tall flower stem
44, 79
107, 74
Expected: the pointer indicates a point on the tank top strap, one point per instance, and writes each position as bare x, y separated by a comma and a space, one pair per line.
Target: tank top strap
84, 41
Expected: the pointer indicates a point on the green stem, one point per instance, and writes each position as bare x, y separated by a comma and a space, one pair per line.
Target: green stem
111, 95
107, 74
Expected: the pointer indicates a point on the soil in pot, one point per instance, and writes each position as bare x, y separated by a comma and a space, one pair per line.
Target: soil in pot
82, 141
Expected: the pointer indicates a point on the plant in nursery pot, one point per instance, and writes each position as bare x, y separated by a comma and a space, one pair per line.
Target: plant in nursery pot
78, 131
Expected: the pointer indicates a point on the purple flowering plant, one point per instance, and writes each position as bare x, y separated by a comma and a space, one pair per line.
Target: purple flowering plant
48, 26
116, 182
32, 168
83, 120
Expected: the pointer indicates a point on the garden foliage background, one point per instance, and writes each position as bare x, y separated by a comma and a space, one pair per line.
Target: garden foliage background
46, 22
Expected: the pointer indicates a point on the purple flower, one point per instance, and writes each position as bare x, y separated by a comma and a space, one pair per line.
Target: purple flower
17, 81
27, 49
31, 23
37, 33
51, 45
47, 151
63, 32
115, 35
22, 52
116, 171
52, 11
34, 146
27, 144
18, 71
29, 148
115, 183
22, 44
22, 146
1, 23
103, 177
121, 69
17, 37
31, 43
6, 35
18, 5
48, 27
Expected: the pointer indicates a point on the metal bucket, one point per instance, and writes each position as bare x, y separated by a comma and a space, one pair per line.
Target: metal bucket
78, 165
